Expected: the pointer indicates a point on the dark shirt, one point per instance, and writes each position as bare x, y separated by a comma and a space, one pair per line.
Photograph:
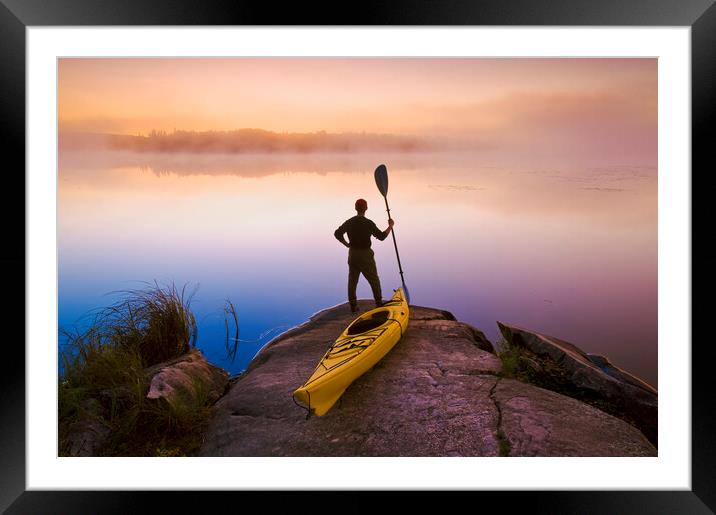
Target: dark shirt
359, 229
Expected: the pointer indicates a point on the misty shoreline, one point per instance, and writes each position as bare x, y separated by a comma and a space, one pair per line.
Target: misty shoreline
252, 141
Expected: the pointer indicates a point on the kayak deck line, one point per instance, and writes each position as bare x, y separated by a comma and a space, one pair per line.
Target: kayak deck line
332, 353
366, 340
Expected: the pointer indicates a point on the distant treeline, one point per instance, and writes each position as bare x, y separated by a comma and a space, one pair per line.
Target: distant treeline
262, 141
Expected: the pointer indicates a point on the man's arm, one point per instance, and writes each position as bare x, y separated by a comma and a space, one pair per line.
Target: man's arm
339, 235
381, 235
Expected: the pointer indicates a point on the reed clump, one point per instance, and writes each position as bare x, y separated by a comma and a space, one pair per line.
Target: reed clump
103, 384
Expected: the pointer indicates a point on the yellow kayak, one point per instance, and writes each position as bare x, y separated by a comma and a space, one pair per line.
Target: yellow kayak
364, 342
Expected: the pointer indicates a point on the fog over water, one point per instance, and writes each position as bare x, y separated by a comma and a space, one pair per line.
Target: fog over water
566, 247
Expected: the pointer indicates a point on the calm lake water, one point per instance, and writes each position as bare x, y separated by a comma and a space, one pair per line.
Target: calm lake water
568, 249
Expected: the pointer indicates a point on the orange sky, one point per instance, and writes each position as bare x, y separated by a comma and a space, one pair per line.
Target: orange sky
490, 100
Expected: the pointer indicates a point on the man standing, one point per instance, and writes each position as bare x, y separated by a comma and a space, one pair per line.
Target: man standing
360, 255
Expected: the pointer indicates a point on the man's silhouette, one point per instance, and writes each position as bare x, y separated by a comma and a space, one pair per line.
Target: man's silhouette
360, 256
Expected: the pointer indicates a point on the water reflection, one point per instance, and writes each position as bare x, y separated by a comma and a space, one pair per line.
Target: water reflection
566, 249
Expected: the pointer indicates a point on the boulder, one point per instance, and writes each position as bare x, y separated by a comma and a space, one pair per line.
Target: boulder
565, 368
438, 392
189, 378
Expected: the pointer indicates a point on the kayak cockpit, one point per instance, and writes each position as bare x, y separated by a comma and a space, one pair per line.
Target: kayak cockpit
371, 321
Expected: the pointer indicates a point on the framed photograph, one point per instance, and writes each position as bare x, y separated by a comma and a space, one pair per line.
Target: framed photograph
514, 186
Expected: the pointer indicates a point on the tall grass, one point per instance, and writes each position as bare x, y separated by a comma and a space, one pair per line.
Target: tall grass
156, 321
104, 369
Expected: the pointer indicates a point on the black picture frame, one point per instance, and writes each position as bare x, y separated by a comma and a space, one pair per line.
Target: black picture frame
17, 15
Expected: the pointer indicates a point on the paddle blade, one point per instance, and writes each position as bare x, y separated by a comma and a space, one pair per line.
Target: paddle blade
381, 179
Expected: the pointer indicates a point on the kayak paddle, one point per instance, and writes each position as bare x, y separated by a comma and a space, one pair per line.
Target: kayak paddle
381, 180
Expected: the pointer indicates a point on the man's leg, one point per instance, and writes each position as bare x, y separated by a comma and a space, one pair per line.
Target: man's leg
353, 273
370, 272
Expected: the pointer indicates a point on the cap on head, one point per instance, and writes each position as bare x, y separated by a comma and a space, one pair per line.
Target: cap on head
361, 205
